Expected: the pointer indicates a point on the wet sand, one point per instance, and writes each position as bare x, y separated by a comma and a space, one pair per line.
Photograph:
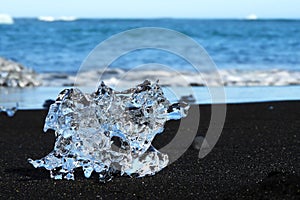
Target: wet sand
256, 157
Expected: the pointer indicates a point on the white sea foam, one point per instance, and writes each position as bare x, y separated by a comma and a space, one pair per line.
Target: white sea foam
118, 77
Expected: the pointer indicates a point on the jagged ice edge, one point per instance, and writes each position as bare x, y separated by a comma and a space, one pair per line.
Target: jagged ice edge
135, 156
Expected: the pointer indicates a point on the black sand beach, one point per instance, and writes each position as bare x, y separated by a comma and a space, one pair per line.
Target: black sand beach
256, 157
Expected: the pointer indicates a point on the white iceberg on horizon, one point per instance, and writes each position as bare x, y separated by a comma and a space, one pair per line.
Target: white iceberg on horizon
252, 17
46, 18
52, 19
6, 19
66, 18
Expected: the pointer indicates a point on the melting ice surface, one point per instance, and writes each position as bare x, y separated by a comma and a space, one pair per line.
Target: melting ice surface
108, 131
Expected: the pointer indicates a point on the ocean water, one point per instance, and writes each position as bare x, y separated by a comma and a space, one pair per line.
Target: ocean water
246, 52
233, 44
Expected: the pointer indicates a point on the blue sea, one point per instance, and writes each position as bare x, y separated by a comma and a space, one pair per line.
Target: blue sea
61, 46
246, 52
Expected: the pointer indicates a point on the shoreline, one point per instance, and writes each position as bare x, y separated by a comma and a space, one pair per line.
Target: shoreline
255, 157
34, 98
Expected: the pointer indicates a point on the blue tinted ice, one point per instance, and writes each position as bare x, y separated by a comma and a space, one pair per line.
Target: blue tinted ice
108, 132
9, 111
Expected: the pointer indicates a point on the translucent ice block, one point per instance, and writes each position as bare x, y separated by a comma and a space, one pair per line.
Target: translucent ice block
108, 131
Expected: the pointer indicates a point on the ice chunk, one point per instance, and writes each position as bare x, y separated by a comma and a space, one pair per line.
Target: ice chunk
13, 74
108, 131
9, 111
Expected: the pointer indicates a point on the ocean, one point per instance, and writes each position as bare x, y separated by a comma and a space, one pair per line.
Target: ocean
246, 52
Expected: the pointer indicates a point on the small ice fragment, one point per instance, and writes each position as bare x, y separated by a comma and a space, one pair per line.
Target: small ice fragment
10, 112
108, 131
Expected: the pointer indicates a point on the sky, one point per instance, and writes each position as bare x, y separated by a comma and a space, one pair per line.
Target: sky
152, 8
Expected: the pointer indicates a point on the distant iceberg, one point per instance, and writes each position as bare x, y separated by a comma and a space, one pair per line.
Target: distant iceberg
252, 17
6, 19
46, 18
52, 19
66, 18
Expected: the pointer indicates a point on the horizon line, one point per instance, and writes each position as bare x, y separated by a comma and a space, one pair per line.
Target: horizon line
145, 18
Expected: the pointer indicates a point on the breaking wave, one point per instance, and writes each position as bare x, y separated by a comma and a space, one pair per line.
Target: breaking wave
232, 77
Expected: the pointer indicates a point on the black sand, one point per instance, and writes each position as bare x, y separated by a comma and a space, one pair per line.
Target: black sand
256, 157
